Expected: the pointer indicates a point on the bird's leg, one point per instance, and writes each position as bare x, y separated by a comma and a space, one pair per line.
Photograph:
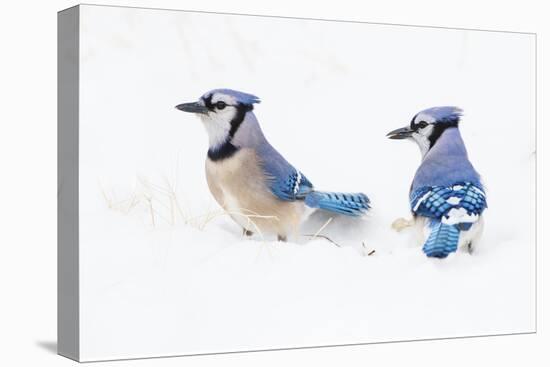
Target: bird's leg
401, 223
281, 238
470, 248
247, 232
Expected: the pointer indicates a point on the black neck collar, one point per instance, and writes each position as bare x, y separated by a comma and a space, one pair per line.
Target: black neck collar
438, 131
227, 148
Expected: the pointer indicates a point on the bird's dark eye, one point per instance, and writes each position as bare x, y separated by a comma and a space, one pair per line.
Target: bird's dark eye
220, 105
422, 124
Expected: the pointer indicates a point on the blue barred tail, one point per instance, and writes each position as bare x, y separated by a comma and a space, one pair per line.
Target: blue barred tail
354, 205
442, 241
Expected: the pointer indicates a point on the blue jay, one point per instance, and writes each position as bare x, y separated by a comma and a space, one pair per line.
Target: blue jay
446, 196
251, 180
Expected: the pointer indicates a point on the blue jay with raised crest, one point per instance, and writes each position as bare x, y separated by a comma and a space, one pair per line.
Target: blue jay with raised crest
250, 179
447, 197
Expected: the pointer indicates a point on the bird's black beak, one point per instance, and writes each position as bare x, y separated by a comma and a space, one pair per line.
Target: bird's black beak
401, 133
193, 107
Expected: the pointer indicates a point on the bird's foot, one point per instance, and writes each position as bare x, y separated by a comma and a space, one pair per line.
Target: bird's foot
401, 223
281, 238
247, 232
470, 248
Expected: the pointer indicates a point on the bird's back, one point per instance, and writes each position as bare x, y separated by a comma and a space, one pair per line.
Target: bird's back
446, 164
448, 194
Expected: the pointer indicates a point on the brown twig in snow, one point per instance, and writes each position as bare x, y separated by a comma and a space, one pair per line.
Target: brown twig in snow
313, 236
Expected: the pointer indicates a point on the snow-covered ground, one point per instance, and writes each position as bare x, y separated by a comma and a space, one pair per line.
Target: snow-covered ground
164, 272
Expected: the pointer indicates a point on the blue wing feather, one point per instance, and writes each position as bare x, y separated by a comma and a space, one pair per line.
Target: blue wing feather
437, 203
294, 186
284, 181
289, 184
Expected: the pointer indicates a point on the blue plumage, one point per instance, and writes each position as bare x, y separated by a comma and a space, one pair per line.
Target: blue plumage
285, 182
451, 209
442, 241
437, 201
241, 97
446, 188
289, 184
444, 114
446, 163
352, 204
292, 187
237, 146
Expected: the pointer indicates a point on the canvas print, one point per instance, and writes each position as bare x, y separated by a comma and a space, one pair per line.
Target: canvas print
239, 183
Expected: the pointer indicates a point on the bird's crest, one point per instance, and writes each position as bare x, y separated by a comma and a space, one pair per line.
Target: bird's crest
444, 114
239, 97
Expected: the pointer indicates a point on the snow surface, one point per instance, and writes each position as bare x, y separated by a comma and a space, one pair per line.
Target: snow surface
163, 272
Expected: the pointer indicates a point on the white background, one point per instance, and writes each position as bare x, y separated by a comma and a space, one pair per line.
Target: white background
28, 150
330, 92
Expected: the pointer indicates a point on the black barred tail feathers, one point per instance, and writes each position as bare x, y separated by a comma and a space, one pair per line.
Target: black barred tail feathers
352, 204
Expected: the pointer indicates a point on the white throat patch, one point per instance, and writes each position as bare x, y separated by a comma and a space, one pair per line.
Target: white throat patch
421, 138
218, 125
